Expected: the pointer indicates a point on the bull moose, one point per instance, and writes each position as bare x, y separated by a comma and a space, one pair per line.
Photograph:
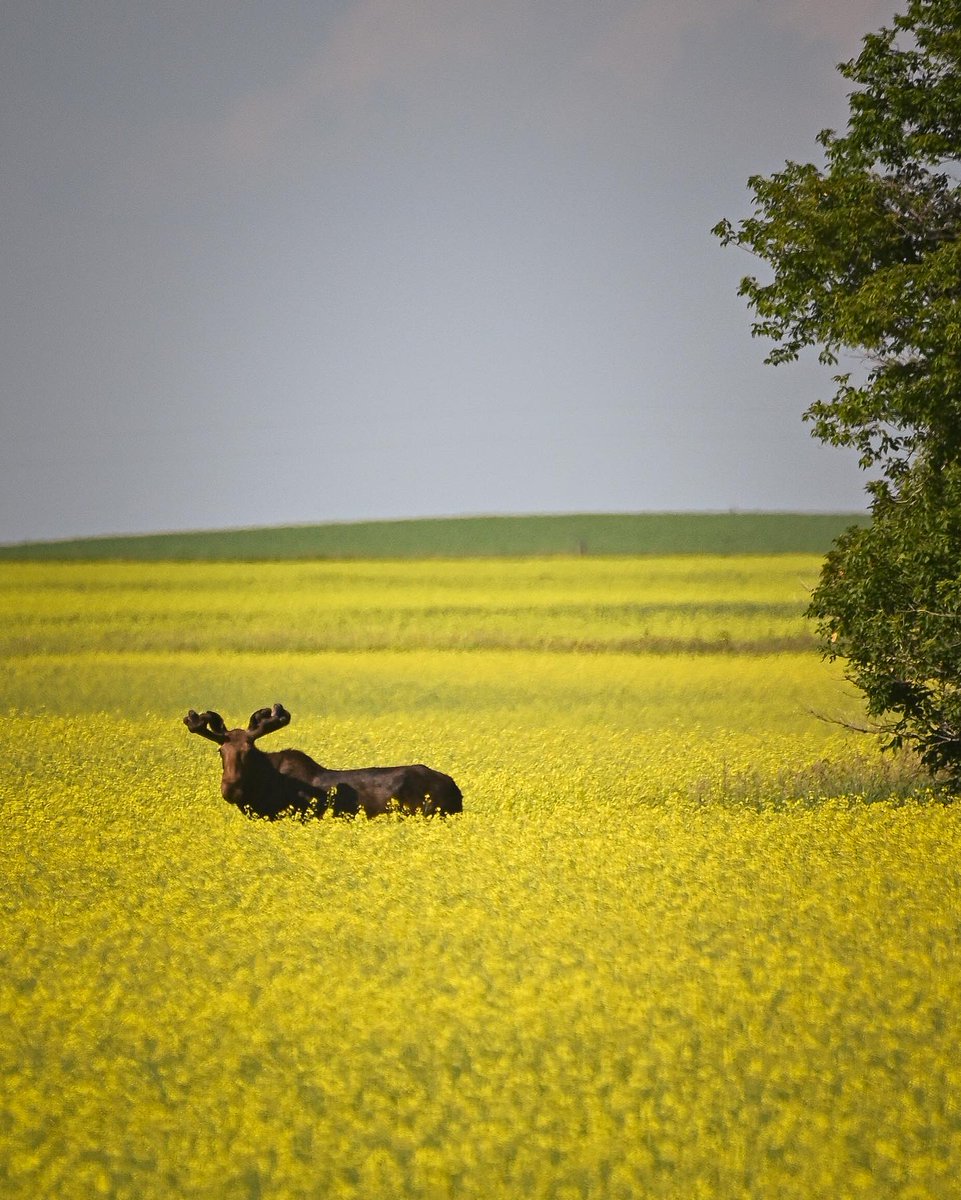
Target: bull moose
281, 782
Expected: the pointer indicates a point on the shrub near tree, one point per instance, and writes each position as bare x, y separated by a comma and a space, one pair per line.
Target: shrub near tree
865, 258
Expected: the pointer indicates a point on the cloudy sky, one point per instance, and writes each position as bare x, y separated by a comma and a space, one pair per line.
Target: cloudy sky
308, 260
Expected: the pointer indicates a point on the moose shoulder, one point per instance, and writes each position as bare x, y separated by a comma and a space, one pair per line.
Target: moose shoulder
272, 784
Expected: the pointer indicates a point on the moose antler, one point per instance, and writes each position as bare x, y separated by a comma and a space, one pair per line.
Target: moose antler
266, 720
207, 724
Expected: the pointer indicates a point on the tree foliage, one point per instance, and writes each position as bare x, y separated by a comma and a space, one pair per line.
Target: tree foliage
865, 258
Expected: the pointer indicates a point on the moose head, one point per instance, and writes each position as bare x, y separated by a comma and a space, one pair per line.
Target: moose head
238, 752
268, 785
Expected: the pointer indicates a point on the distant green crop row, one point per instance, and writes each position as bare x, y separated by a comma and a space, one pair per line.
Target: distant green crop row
602, 533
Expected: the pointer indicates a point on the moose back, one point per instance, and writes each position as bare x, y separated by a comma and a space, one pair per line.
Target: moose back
281, 782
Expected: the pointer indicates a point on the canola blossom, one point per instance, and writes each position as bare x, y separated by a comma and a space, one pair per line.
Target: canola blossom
685, 941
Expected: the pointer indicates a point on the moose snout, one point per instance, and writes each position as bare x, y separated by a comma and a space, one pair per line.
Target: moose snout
232, 791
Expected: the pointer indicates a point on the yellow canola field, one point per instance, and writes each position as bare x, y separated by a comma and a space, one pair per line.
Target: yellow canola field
675, 603
685, 941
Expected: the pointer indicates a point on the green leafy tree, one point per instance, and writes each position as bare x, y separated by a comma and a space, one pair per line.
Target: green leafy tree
865, 258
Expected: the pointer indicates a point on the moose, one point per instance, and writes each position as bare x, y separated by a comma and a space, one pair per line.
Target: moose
284, 782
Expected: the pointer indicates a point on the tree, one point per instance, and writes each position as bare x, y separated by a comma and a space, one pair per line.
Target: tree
865, 254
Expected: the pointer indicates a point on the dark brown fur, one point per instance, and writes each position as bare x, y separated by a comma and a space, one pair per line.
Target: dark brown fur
288, 781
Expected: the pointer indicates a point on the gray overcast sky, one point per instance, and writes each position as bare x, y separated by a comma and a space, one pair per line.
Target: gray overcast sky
314, 260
